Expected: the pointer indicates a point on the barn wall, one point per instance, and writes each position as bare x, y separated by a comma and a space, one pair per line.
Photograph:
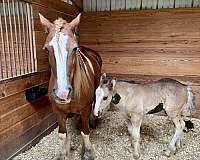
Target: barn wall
115, 5
23, 123
147, 45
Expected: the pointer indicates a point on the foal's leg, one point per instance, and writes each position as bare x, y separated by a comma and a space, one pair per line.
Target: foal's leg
87, 149
134, 130
176, 140
62, 133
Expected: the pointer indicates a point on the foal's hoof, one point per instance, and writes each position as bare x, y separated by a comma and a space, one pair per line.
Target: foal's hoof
136, 156
88, 155
62, 157
168, 152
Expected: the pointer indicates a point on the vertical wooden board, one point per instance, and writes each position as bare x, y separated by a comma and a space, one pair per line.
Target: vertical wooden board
148, 4
94, 5
117, 4
128, 4
171, 3
113, 5
108, 3
122, 4
188, 3
196, 3
103, 5
143, 4
85, 5
99, 5
176, 3
179, 3
138, 3
160, 3
88, 5
154, 4
166, 3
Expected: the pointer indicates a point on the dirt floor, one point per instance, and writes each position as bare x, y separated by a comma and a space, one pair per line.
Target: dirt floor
111, 141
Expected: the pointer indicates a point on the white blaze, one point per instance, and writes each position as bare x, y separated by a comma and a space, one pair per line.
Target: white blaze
61, 54
99, 98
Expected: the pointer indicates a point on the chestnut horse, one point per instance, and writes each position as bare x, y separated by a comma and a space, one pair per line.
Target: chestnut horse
75, 74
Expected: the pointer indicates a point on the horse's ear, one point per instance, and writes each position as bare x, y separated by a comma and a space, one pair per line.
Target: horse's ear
45, 22
75, 22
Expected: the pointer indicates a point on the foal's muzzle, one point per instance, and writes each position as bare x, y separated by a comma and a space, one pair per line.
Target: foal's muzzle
98, 115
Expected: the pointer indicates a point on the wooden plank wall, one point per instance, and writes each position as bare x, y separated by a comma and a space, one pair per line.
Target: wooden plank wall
23, 123
112, 5
147, 45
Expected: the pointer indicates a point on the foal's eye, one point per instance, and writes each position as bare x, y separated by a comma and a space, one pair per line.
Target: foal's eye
105, 98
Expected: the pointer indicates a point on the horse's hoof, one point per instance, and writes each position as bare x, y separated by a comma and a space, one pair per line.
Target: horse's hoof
88, 155
61, 157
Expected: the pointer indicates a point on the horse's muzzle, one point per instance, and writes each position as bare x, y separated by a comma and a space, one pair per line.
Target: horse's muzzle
63, 97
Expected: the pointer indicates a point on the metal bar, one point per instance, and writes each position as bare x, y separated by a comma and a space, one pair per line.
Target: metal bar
30, 37
8, 58
1, 53
14, 70
34, 46
19, 67
3, 56
24, 40
20, 39
27, 38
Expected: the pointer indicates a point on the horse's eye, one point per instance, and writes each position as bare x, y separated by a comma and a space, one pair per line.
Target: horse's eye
46, 50
105, 98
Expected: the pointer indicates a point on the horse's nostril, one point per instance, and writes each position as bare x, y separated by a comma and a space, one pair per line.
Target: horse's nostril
99, 114
70, 90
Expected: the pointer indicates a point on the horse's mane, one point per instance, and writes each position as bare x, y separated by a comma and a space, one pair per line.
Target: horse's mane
83, 76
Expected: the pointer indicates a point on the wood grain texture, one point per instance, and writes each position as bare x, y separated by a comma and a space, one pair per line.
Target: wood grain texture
149, 43
28, 138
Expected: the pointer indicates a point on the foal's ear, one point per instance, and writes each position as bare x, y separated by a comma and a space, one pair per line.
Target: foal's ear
111, 84
45, 22
103, 76
113, 81
75, 22
103, 79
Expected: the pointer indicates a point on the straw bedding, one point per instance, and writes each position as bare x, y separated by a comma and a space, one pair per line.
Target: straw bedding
111, 141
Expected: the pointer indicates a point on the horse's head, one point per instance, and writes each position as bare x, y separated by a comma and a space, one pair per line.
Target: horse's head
60, 43
104, 95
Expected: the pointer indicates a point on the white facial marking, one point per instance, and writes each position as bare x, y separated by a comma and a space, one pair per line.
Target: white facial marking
61, 54
99, 98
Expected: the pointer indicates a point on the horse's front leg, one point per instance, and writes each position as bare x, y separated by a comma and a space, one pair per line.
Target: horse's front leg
65, 138
87, 148
134, 130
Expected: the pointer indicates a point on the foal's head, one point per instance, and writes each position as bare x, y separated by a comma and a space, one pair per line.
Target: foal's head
104, 95
60, 43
